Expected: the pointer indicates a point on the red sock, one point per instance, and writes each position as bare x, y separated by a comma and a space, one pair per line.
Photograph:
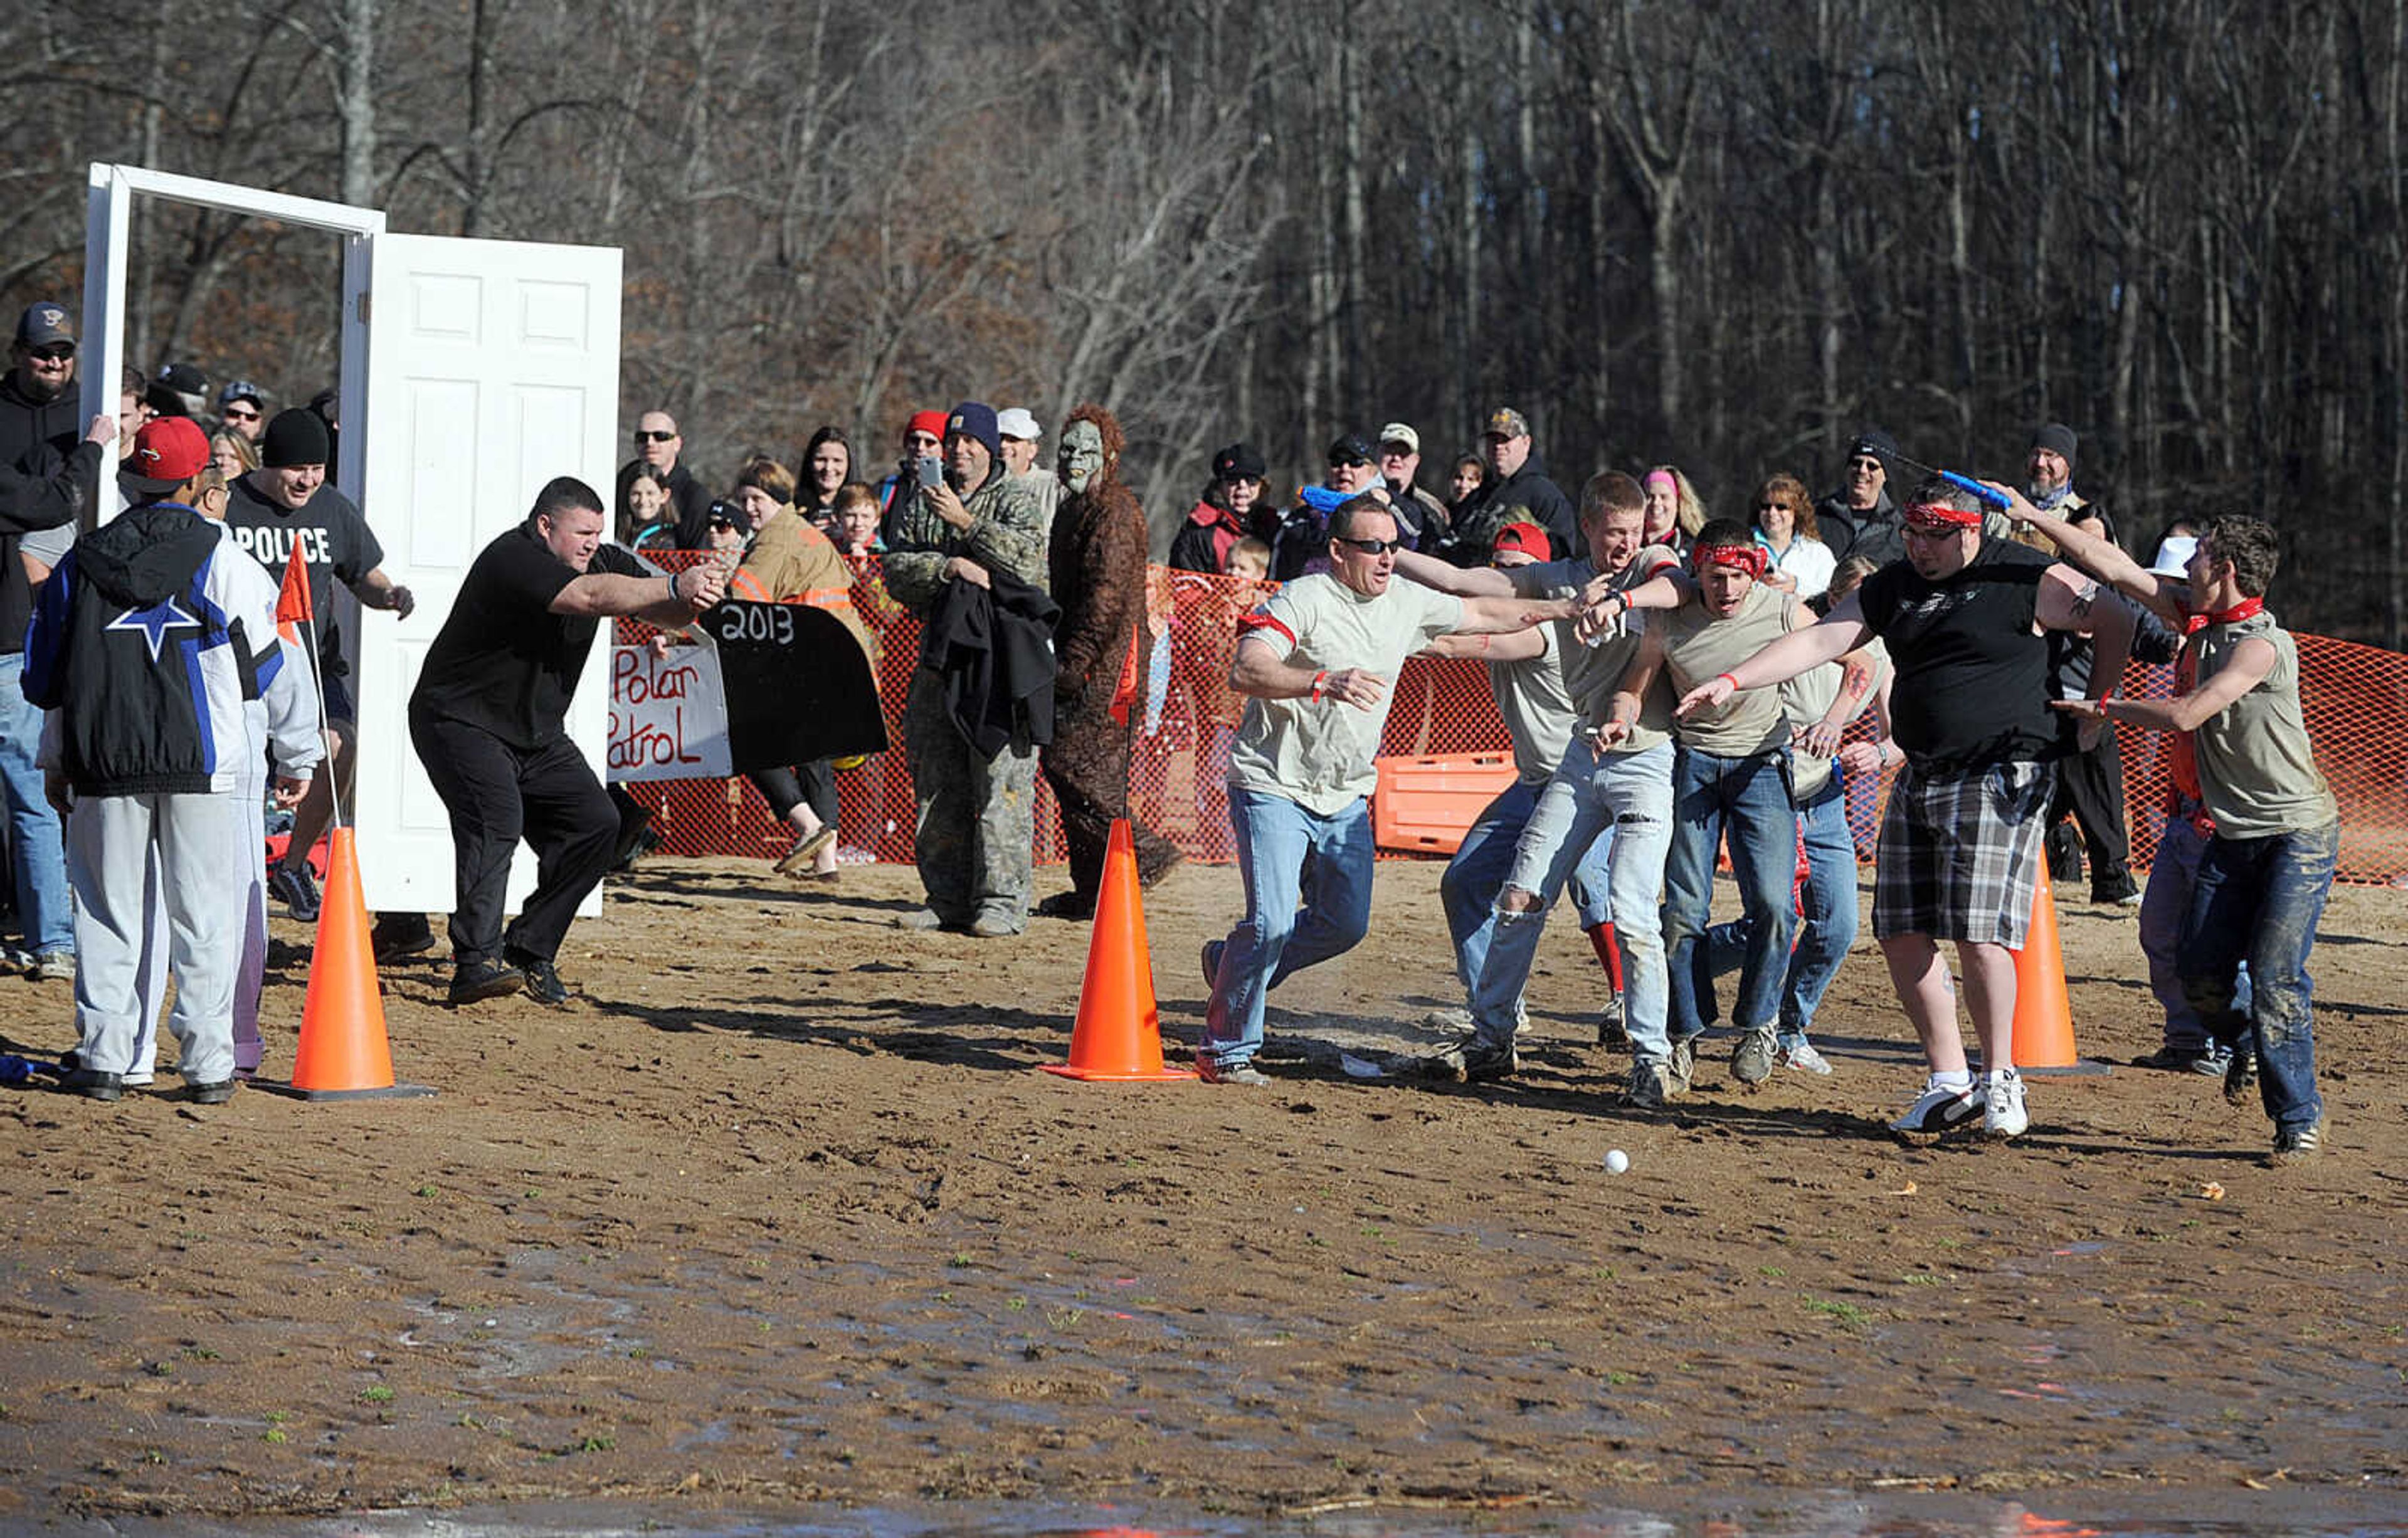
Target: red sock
1609, 954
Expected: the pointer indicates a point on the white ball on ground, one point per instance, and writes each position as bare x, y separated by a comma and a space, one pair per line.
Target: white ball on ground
1617, 1161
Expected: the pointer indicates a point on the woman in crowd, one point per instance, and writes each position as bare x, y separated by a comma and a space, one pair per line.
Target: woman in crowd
826, 465
647, 515
791, 561
1801, 563
1471, 474
232, 454
1675, 512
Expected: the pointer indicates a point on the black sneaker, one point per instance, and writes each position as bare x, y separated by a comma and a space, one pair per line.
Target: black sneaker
1073, 904
2183, 1059
92, 1084
2118, 891
1489, 1063
210, 1094
297, 889
2240, 1079
474, 982
543, 985
1646, 1091
2297, 1144
395, 935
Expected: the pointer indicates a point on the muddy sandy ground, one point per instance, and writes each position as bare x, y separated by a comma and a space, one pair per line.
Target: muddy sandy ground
780, 1211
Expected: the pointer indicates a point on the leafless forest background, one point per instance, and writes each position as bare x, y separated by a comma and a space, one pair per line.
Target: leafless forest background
1719, 234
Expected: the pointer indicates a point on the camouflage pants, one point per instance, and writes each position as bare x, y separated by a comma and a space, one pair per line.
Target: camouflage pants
1087, 764
975, 830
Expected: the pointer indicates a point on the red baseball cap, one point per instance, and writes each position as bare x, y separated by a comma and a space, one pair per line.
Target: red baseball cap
167, 452
1526, 536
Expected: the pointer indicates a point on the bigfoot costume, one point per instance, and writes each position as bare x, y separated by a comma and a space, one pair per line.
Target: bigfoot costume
1097, 559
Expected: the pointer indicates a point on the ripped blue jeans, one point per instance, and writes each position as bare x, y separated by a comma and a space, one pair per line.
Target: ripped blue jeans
2258, 900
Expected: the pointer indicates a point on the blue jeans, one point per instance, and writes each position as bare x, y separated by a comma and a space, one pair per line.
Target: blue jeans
2164, 907
45, 915
1273, 942
2258, 900
1478, 871
1826, 928
1748, 797
1631, 794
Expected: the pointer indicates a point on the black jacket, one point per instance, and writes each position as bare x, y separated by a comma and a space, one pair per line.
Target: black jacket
995, 651
37, 442
1527, 495
1879, 535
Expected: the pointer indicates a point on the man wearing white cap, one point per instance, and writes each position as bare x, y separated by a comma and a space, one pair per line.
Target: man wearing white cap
1421, 517
1017, 427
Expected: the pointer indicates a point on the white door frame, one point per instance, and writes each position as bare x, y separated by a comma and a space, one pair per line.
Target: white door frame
108, 227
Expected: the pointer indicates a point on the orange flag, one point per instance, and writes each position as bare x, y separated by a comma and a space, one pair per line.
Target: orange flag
293, 599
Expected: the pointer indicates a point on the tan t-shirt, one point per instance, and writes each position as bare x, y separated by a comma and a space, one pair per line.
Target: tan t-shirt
1592, 674
1805, 698
1319, 754
2257, 769
1698, 647
1535, 709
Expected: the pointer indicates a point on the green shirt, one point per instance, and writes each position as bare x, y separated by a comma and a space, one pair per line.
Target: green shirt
2256, 770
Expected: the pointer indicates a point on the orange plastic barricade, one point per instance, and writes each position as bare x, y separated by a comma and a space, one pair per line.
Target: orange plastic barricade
1424, 804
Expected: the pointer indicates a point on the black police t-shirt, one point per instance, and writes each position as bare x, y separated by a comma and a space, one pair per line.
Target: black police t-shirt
504, 661
335, 540
1972, 676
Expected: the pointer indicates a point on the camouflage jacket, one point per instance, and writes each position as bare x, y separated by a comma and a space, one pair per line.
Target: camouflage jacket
1007, 534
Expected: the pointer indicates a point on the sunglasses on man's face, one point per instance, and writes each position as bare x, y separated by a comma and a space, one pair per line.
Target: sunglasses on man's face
57, 352
1865, 464
642, 437
1374, 546
240, 413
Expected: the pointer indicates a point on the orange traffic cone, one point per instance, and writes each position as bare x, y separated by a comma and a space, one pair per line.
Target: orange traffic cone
343, 1053
1118, 1035
2044, 1017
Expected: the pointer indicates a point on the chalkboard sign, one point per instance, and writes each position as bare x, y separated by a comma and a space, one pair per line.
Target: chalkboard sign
798, 684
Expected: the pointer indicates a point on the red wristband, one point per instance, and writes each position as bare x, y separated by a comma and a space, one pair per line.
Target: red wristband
1320, 682
1727, 678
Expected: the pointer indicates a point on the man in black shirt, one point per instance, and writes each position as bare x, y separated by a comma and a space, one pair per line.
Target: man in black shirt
1964, 618
659, 444
287, 502
487, 720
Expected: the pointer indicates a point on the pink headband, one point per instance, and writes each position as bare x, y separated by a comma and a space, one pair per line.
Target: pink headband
1657, 477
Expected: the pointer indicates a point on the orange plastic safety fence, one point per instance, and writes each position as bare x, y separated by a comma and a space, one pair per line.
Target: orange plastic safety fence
2356, 699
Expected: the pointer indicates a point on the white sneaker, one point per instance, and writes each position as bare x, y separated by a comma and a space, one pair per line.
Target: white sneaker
1938, 1108
2002, 1105
1803, 1057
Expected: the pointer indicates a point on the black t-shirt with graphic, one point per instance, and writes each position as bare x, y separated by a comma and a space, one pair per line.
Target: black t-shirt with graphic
1972, 676
335, 540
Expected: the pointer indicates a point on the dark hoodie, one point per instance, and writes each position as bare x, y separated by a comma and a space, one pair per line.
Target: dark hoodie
118, 638
1526, 496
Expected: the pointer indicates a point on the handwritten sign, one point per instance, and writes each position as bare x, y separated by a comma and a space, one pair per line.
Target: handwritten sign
668, 715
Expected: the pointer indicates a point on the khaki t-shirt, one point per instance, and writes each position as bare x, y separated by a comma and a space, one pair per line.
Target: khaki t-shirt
1319, 755
1592, 674
2257, 769
1537, 710
1803, 701
1697, 647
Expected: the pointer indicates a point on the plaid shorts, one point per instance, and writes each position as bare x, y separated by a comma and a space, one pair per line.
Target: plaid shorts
1959, 853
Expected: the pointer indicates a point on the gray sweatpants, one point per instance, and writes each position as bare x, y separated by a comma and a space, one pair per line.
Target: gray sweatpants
249, 798
198, 840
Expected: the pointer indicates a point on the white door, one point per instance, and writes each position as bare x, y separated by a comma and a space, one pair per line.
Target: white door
491, 367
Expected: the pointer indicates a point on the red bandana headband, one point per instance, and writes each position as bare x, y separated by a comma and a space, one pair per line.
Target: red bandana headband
1748, 558
1936, 515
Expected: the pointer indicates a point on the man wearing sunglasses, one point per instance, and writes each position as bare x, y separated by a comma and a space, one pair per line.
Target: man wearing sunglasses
1859, 518
242, 408
38, 428
1316, 660
658, 443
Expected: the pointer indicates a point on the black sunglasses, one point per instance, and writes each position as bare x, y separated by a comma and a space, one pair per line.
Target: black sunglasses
1374, 546
56, 352
642, 437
